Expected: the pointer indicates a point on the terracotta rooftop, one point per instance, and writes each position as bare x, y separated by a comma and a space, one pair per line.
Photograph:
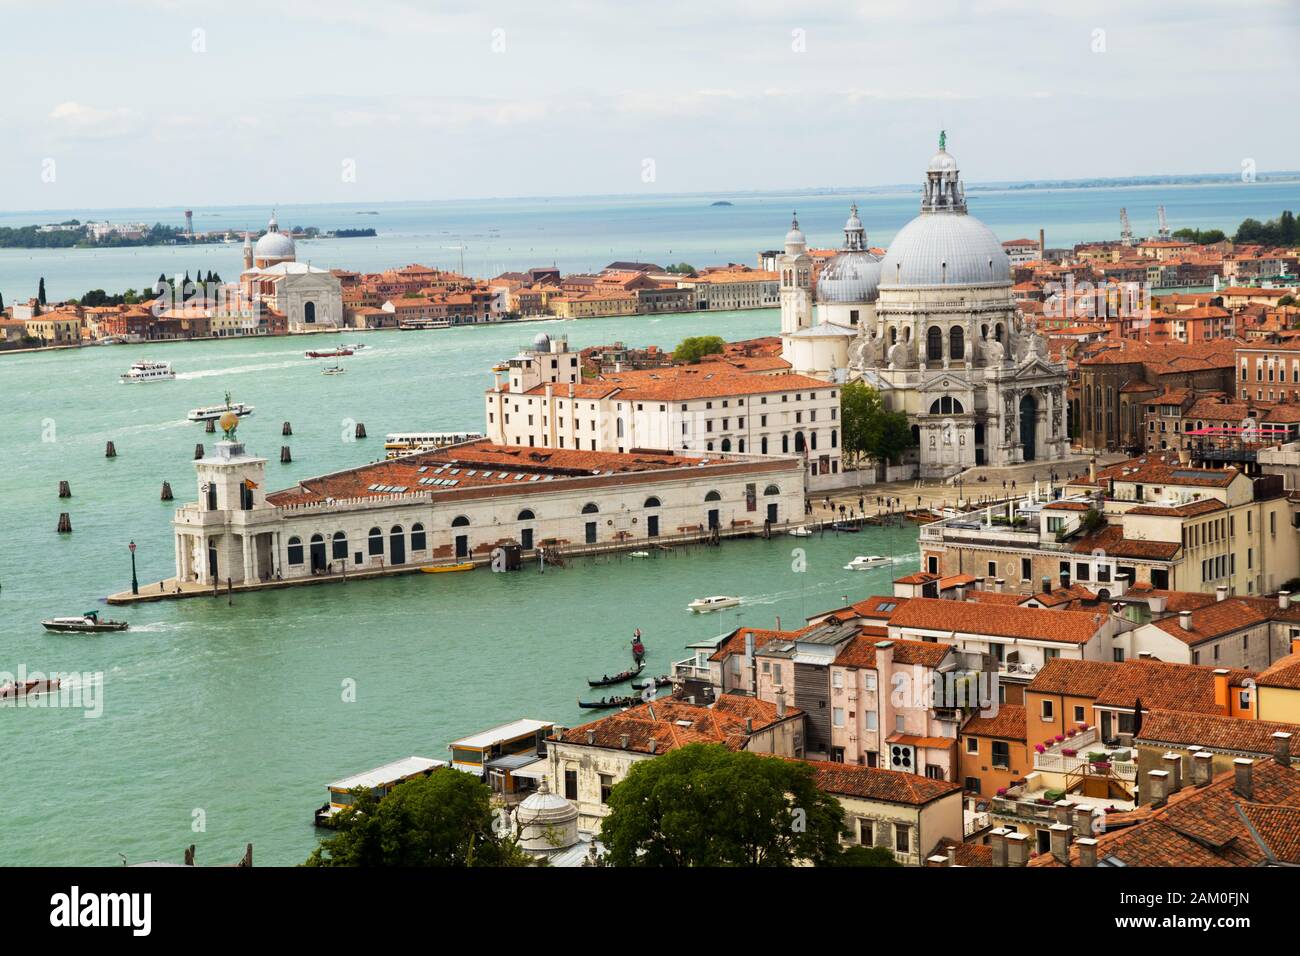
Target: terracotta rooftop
673, 723
1240, 735
1073, 678
1283, 674
1007, 724
876, 783
1184, 687
1218, 618
1069, 627
861, 652
1111, 540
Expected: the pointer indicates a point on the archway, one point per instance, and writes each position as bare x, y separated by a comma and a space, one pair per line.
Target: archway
309, 312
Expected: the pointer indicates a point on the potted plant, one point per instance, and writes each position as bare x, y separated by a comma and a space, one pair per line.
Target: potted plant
1060, 738
1039, 748
1069, 751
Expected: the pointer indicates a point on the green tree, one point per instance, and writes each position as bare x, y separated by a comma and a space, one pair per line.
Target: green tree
682, 268
444, 819
705, 805
40, 291
694, 348
866, 856
868, 429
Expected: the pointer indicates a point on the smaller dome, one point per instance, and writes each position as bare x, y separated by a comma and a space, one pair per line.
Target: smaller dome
542, 342
274, 245
850, 276
795, 236
941, 162
546, 821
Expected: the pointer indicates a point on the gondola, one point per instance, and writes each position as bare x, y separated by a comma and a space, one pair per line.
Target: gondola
846, 526
609, 703
663, 680
617, 678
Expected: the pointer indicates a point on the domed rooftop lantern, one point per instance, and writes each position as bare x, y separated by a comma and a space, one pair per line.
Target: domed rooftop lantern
944, 191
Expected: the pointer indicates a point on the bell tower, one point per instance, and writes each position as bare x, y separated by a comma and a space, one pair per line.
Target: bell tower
795, 266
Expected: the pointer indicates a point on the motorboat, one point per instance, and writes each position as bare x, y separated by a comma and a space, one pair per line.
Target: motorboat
334, 369
355, 347
148, 372
88, 623
639, 554
213, 412
800, 532
448, 568
28, 688
663, 680
618, 678
864, 562
328, 353
715, 603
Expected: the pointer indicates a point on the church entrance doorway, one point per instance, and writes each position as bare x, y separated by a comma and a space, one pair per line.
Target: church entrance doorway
1029, 426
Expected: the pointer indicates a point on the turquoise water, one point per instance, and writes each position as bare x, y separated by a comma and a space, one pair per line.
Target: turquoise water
580, 234
236, 710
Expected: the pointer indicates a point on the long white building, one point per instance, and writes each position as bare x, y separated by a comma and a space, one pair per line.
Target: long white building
464, 502
710, 407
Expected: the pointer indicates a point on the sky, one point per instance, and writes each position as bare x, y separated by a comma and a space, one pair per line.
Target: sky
196, 102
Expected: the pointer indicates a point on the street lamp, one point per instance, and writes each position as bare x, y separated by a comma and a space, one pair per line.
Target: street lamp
135, 582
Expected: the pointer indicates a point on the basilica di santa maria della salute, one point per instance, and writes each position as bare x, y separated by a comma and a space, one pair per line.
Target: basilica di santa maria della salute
932, 326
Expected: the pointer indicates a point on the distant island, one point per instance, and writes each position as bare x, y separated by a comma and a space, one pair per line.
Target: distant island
721, 202
352, 234
74, 234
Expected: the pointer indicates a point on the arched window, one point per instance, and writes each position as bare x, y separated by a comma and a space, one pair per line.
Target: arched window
799, 445
997, 332
812, 440
835, 438
651, 502
956, 343
418, 540
741, 446
713, 496
376, 542
893, 335
459, 521
590, 508
762, 447
620, 428
339, 546
309, 312
984, 331
947, 406
526, 515
726, 444
934, 344
771, 490
295, 550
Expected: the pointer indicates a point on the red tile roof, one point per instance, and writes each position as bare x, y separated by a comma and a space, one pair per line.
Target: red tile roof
673, 723
876, 783
1068, 627
1007, 724
860, 651
1174, 728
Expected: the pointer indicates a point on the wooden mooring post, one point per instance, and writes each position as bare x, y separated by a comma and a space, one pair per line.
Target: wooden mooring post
65, 490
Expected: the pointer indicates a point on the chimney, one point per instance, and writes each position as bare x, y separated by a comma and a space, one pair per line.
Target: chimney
961, 592
1065, 580
1174, 765
884, 660
1158, 781
591, 736
1202, 768
624, 740
1017, 849
780, 701
653, 745
749, 726
1157, 605
998, 840
1244, 785
1061, 834
1221, 592
937, 860
1087, 851
1047, 585
1185, 620
1092, 469
1042, 244
997, 585
1082, 822
1221, 675
1282, 748
1283, 600
1063, 812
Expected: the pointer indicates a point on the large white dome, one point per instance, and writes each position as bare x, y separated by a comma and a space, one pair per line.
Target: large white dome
274, 245
944, 249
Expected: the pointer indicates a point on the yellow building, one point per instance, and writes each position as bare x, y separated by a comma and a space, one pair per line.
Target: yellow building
1277, 688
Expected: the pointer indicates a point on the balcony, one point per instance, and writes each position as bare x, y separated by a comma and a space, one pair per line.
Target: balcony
689, 670
1091, 758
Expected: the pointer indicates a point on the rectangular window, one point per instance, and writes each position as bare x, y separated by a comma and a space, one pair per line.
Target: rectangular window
1078, 714
902, 837
571, 785
606, 785
837, 716
972, 745
1001, 754
1048, 710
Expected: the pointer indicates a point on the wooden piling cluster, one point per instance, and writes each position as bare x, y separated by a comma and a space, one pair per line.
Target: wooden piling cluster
286, 456
361, 430
65, 490
166, 491
210, 426
198, 451
110, 451
286, 429
65, 523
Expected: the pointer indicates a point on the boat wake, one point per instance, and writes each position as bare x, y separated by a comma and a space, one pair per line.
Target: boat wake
235, 370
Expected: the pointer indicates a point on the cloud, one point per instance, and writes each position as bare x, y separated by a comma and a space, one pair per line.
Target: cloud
89, 122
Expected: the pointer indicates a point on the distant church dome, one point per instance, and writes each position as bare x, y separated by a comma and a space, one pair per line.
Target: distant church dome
542, 342
944, 245
853, 274
275, 245
795, 236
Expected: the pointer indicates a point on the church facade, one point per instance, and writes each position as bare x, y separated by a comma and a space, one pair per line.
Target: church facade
934, 328
310, 299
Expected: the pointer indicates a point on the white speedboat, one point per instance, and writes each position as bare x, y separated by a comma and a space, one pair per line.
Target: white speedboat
88, 623
639, 554
715, 603
333, 370
864, 562
800, 532
148, 372
213, 412
355, 347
